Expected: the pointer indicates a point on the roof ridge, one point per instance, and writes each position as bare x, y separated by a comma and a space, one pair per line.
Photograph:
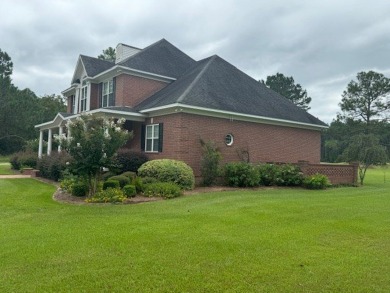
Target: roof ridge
196, 79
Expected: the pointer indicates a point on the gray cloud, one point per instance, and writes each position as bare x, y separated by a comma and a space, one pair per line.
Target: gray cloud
322, 44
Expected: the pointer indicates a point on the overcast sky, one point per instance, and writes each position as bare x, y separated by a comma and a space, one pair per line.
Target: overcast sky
321, 44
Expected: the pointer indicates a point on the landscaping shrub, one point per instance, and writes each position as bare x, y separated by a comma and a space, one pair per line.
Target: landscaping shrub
316, 181
68, 181
20, 160
162, 189
129, 160
138, 183
123, 180
211, 157
267, 174
111, 183
80, 189
166, 170
148, 180
51, 167
129, 174
129, 190
288, 175
109, 195
241, 174
107, 175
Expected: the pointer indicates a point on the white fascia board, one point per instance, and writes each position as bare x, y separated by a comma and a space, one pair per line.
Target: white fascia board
177, 107
119, 114
118, 69
70, 90
56, 122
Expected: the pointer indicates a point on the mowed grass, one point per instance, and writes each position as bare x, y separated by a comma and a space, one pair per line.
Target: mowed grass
5, 169
268, 240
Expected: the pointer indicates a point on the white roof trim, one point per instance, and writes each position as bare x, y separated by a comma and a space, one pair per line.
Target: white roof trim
177, 107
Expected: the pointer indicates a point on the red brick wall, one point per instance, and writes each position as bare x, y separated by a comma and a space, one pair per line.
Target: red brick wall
94, 100
131, 90
264, 143
70, 103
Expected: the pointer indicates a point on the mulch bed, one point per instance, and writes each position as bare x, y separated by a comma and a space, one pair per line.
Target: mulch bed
62, 196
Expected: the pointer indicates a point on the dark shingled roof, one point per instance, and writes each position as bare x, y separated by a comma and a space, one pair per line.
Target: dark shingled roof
160, 58
94, 66
216, 84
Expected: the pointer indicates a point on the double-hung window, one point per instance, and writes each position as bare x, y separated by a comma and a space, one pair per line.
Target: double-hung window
108, 93
152, 138
83, 99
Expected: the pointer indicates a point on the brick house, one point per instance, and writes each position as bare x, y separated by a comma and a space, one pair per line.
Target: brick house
170, 102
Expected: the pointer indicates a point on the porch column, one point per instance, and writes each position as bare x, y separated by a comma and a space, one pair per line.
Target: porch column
40, 143
60, 132
49, 142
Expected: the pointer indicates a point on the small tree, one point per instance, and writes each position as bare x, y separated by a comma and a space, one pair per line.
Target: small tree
210, 162
109, 54
366, 150
93, 143
286, 86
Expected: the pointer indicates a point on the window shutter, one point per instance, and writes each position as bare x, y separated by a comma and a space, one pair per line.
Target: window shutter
143, 129
160, 137
113, 91
100, 95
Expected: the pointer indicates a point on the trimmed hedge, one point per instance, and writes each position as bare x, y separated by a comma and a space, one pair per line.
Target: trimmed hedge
162, 189
111, 183
109, 195
241, 174
129, 160
24, 159
123, 180
80, 189
166, 170
52, 167
129, 190
316, 181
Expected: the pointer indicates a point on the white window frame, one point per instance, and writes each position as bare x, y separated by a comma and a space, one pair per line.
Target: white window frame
83, 98
107, 93
152, 136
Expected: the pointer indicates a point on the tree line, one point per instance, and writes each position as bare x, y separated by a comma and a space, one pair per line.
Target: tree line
21, 109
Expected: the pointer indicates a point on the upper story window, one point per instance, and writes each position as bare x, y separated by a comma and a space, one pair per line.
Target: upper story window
108, 93
83, 98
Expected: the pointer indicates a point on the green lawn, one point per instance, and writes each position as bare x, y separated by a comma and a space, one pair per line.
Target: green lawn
5, 169
271, 240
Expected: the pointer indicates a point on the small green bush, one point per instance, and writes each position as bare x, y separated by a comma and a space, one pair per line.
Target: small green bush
52, 167
111, 183
107, 175
211, 157
123, 180
148, 180
129, 174
138, 183
68, 181
24, 159
241, 174
129, 190
316, 181
267, 174
109, 195
288, 175
129, 160
166, 170
162, 189
80, 189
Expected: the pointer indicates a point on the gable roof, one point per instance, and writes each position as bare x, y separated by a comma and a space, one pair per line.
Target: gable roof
160, 58
94, 66
213, 83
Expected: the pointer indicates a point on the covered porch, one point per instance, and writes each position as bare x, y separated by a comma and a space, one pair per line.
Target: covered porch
57, 126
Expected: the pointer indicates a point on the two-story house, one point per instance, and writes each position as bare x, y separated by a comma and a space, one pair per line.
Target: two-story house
171, 101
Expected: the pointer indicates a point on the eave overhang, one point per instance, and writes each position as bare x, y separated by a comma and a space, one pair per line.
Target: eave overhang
183, 108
